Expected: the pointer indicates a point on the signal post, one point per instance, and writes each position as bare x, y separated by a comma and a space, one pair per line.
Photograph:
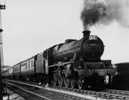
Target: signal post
2, 7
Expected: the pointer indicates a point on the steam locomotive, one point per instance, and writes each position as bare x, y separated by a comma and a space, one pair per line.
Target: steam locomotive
72, 64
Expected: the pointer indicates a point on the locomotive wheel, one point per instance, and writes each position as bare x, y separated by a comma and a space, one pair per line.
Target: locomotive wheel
80, 84
63, 84
66, 83
73, 84
60, 83
55, 80
54, 83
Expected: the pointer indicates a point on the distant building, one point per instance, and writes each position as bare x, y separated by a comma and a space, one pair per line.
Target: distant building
5, 67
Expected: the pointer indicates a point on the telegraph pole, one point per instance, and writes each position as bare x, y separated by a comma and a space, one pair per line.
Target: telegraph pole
2, 7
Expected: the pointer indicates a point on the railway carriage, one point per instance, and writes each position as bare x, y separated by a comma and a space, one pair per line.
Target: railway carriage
40, 68
31, 69
27, 69
16, 71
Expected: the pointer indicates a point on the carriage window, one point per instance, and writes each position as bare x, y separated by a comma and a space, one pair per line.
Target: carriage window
24, 67
32, 64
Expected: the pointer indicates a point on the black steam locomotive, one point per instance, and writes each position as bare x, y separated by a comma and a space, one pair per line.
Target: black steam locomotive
73, 64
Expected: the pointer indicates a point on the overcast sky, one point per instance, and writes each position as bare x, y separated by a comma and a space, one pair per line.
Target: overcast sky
30, 26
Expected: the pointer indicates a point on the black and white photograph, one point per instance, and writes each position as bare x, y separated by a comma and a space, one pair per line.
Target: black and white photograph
64, 49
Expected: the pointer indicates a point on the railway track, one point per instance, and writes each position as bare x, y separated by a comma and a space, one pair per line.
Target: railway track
28, 95
77, 94
38, 94
44, 94
120, 92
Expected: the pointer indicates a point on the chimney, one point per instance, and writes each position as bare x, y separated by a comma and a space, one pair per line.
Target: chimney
86, 34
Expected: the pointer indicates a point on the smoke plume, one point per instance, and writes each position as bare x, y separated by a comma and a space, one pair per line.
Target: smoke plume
105, 12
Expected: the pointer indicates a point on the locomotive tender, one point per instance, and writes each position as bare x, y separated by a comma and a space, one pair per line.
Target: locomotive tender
74, 64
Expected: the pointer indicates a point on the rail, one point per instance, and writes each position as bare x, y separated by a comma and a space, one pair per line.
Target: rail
85, 94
